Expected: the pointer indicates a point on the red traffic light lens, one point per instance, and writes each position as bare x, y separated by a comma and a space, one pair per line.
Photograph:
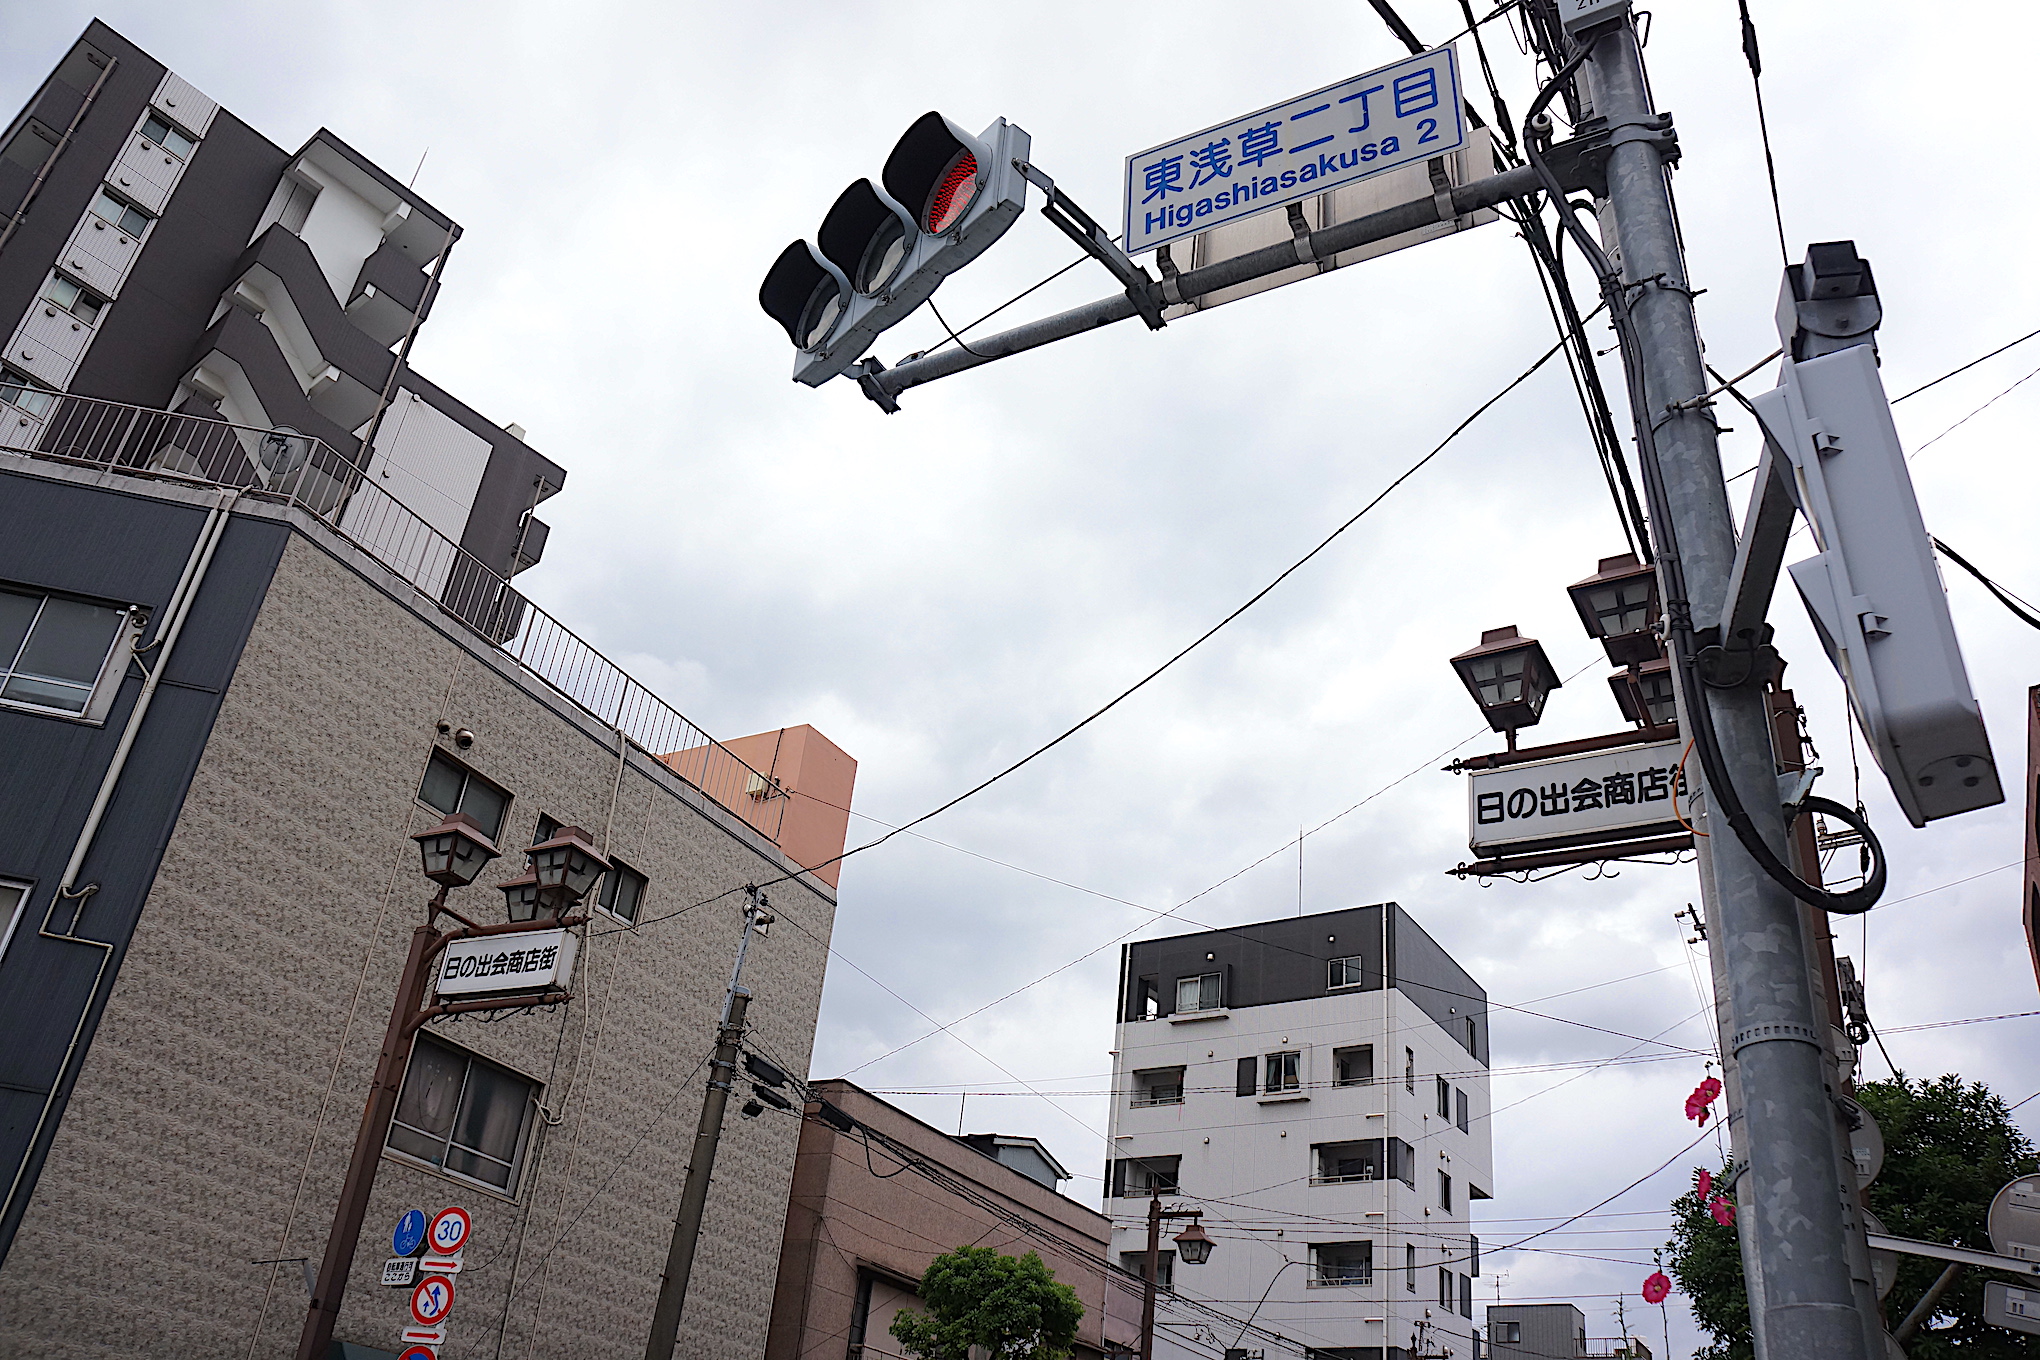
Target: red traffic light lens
953, 193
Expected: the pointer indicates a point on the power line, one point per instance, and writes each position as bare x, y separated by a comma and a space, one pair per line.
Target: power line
1756, 64
2004, 597
1965, 368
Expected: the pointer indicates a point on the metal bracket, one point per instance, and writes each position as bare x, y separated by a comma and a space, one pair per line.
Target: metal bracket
1581, 162
1441, 189
1760, 555
1299, 229
1172, 291
866, 372
1080, 227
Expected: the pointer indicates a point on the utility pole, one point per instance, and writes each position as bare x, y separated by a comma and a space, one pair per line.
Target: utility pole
1195, 1250
1803, 1302
722, 1075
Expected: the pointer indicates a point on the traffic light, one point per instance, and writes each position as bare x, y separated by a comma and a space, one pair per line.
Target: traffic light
942, 199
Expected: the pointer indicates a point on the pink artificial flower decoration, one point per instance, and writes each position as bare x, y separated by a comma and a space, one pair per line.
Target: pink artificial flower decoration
1657, 1287
1706, 1184
1723, 1211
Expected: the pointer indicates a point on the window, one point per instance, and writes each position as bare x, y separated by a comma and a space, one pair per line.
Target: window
1511, 1332
124, 216
1409, 1071
1197, 993
1359, 1160
70, 297
16, 390
1342, 1263
1472, 1037
1465, 1297
1158, 1086
1148, 1004
1243, 1080
1446, 1293
1135, 1264
1445, 1192
463, 1115
1459, 1111
1444, 1098
451, 787
1140, 1177
548, 827
12, 895
158, 130
1402, 1162
1346, 972
57, 654
1283, 1073
1410, 1267
623, 891
1473, 1244
1353, 1066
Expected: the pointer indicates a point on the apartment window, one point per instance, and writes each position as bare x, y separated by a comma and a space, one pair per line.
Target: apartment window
1140, 1177
1511, 1332
1346, 972
1344, 1263
16, 390
463, 1114
1197, 993
1147, 1005
548, 827
1243, 1079
1446, 1293
1472, 1036
1353, 1066
1473, 1253
57, 654
1283, 1073
1135, 1264
157, 129
1402, 1162
12, 895
1359, 1160
452, 787
623, 891
70, 297
1465, 1297
1444, 1098
1409, 1267
1409, 1071
125, 216
1445, 1192
1158, 1086
1459, 1111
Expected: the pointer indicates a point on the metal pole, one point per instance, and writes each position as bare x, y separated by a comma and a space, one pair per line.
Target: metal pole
324, 1310
1791, 1191
722, 1074
1149, 1272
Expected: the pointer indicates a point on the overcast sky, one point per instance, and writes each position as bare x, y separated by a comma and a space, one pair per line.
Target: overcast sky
942, 589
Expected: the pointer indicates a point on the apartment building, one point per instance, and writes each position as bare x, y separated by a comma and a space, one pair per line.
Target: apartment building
1552, 1331
257, 627
1317, 1085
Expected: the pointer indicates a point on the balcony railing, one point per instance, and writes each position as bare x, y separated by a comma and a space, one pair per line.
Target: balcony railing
1339, 1277
300, 470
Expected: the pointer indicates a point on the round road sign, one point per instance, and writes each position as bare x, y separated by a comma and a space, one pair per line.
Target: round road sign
419, 1353
2015, 1219
1883, 1264
410, 1233
432, 1300
449, 1231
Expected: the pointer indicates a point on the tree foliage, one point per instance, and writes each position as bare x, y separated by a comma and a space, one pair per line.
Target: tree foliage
1949, 1147
1012, 1306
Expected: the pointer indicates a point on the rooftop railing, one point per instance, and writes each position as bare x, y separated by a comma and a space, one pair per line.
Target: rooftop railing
284, 466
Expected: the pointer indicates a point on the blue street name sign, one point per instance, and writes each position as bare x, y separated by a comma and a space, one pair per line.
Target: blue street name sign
1403, 113
410, 1234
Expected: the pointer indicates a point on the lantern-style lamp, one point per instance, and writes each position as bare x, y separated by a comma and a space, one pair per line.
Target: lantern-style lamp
567, 866
455, 850
521, 897
1193, 1245
1619, 606
1645, 693
1509, 676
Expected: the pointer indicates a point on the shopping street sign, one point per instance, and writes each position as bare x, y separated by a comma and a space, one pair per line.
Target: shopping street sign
525, 961
1601, 796
1402, 113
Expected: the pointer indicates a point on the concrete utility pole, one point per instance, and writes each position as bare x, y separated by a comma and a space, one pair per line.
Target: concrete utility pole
722, 1076
1793, 1218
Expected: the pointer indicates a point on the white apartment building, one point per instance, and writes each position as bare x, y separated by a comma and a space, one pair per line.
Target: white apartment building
1318, 1087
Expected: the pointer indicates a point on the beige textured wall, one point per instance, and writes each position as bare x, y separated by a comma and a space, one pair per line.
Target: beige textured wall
202, 1136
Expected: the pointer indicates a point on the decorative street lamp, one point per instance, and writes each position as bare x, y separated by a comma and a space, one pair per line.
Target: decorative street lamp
1619, 606
455, 851
1509, 676
520, 897
567, 866
1645, 693
1193, 1245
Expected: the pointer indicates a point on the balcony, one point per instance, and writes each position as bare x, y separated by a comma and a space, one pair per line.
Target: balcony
1338, 1279
306, 473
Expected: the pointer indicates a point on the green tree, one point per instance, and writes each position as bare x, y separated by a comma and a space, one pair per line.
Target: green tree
1010, 1305
1949, 1147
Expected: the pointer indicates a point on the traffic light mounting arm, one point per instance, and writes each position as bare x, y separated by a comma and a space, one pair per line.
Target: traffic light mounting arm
1082, 228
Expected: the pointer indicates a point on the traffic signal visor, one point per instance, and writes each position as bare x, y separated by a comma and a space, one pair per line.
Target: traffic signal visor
942, 199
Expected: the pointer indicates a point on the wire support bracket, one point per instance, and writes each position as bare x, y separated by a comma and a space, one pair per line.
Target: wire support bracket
1082, 228
1581, 161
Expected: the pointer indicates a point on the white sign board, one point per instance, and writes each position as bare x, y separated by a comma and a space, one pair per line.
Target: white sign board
1402, 113
2007, 1305
523, 962
1577, 800
400, 1270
